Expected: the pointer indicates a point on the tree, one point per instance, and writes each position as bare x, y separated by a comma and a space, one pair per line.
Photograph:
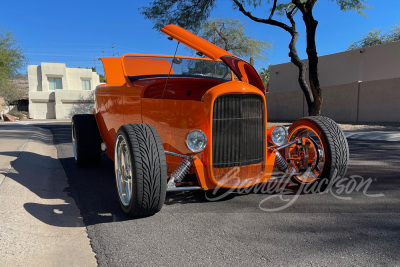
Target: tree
207, 68
101, 76
11, 56
230, 35
10, 93
191, 13
264, 75
11, 60
377, 37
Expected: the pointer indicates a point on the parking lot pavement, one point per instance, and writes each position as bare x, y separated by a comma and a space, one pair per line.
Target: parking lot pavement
358, 226
33, 186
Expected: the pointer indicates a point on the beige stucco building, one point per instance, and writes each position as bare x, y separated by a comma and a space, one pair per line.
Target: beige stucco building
58, 92
362, 85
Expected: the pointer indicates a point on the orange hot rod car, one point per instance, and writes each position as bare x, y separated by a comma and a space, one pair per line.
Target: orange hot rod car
174, 123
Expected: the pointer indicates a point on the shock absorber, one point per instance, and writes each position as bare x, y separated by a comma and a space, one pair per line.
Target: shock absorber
180, 172
280, 162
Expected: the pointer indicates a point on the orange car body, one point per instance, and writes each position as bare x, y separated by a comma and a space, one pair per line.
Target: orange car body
176, 105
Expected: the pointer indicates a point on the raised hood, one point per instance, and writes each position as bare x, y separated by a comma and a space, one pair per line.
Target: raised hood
245, 72
195, 42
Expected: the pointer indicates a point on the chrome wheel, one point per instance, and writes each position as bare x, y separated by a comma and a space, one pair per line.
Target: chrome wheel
123, 170
307, 160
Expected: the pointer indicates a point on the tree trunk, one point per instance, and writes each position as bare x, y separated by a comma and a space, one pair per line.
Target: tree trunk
313, 96
295, 59
311, 27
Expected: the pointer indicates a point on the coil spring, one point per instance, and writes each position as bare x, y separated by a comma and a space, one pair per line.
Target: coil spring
181, 170
280, 162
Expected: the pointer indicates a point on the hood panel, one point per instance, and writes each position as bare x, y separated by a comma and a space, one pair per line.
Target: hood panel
195, 42
241, 68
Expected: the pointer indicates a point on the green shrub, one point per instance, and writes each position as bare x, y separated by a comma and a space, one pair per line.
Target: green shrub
18, 114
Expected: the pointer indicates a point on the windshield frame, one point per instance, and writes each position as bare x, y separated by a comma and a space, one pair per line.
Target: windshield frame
133, 78
141, 77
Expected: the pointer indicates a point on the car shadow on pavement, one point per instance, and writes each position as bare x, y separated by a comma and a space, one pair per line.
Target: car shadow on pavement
197, 196
92, 189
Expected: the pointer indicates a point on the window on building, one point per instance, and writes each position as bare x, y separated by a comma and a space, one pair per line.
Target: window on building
55, 83
85, 84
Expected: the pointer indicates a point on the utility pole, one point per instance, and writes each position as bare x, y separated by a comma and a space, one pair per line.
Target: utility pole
113, 46
94, 60
102, 52
118, 54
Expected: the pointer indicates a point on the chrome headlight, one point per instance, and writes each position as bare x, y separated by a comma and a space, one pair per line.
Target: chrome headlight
278, 135
196, 141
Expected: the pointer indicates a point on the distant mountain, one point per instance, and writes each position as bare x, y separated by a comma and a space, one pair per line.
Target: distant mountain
21, 81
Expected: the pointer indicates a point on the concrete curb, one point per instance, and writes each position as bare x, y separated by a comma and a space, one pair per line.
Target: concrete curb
40, 224
31, 122
390, 136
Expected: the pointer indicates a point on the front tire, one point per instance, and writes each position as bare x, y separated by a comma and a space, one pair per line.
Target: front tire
140, 170
328, 146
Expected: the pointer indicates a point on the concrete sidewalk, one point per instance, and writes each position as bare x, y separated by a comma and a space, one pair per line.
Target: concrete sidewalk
40, 225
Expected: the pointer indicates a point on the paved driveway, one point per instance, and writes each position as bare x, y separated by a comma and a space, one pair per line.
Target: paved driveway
317, 229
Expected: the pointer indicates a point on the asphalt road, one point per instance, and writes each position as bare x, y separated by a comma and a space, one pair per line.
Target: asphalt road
344, 227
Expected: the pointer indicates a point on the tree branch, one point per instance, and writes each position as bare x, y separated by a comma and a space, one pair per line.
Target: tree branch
292, 12
273, 9
300, 5
222, 36
290, 15
312, 3
265, 21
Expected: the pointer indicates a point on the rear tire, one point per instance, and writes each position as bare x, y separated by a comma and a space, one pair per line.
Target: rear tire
140, 170
335, 149
86, 140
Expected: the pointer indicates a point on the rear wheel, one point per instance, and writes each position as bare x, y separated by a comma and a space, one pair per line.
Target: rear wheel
86, 139
323, 155
140, 170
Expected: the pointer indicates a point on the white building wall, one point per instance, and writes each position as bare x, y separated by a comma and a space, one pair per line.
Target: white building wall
76, 75
95, 79
53, 70
35, 81
73, 102
60, 103
41, 105
357, 86
379, 62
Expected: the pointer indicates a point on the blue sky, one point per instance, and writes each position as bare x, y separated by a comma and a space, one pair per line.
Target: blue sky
75, 32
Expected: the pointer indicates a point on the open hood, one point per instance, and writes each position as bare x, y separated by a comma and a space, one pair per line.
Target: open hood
195, 42
245, 72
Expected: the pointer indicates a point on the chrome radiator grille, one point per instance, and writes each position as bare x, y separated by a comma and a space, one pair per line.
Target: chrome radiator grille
238, 136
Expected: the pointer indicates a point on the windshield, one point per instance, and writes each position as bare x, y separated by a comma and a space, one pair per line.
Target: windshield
140, 67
